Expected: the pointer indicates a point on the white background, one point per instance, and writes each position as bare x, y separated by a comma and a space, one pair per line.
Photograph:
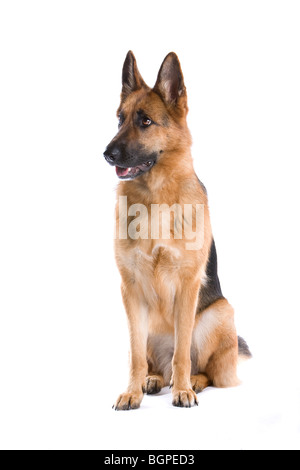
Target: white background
63, 332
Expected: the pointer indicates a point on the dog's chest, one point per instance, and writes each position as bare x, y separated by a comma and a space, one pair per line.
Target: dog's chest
156, 273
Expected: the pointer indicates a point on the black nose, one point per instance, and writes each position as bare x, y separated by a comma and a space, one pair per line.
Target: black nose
111, 155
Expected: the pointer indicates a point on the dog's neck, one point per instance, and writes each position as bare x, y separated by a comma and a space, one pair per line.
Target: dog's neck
163, 183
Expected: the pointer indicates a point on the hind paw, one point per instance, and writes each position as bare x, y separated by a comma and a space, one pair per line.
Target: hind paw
154, 384
199, 382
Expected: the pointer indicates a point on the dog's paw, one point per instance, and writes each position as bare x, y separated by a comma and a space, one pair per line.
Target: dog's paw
199, 382
184, 398
154, 384
128, 401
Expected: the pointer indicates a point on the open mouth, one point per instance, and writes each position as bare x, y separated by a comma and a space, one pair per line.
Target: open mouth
131, 173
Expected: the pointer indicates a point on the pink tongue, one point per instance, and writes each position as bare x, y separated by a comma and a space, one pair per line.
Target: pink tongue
122, 171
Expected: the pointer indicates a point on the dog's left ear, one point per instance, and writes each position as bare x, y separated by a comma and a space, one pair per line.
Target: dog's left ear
170, 83
131, 77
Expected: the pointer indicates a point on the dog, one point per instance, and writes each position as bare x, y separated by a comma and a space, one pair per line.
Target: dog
182, 331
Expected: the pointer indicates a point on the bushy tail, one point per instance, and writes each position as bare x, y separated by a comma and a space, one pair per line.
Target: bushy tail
244, 351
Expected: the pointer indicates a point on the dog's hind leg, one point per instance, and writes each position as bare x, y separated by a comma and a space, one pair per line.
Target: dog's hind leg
222, 367
215, 345
159, 356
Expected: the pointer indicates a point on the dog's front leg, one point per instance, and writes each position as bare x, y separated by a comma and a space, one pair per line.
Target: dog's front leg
185, 310
138, 329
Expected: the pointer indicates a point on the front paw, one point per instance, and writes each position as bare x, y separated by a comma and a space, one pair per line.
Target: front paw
128, 401
184, 398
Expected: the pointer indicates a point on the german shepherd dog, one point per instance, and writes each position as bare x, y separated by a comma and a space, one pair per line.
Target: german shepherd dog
182, 331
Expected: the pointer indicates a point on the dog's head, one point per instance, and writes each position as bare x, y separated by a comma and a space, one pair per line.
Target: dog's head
152, 122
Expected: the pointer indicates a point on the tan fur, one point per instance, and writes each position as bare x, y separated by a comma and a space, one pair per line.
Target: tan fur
161, 279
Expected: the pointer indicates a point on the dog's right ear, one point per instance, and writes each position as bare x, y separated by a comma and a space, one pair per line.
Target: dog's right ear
131, 77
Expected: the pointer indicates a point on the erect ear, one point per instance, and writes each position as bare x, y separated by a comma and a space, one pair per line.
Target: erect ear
170, 84
131, 77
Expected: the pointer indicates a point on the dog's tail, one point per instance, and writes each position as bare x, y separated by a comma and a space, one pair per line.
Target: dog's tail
244, 351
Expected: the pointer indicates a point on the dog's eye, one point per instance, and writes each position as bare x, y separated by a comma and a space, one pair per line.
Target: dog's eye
146, 122
121, 119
